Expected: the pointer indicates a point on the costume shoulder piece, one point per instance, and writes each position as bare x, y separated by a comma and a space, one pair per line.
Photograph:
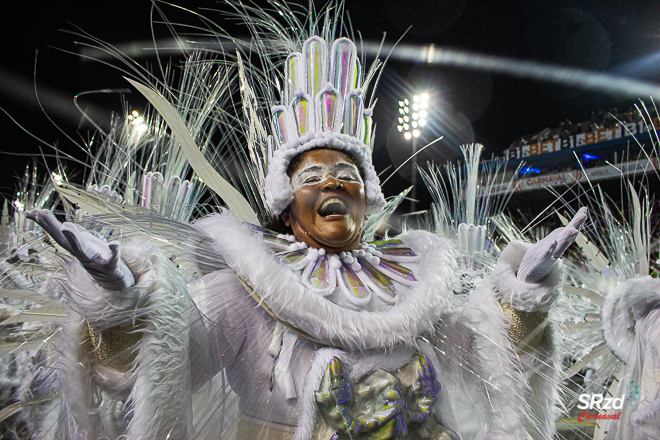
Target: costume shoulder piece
326, 295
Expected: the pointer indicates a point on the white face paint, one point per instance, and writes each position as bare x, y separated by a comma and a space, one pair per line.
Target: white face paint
317, 173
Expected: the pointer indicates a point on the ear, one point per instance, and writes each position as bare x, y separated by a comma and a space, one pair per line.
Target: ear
286, 217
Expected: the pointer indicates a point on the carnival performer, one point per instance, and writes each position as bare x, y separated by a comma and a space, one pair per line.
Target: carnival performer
318, 334
334, 354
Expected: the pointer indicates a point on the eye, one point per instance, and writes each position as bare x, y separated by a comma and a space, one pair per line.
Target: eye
312, 179
347, 177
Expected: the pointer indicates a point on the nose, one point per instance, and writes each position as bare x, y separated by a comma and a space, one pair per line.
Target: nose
331, 183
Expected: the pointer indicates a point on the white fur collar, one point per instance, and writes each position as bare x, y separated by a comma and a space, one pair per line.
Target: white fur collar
417, 309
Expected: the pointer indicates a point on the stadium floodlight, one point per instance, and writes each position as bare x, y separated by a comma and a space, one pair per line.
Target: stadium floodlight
410, 123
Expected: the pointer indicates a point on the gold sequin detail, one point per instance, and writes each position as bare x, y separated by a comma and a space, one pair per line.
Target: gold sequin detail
526, 329
115, 347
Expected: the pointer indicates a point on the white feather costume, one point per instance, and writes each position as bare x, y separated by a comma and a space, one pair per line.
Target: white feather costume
210, 361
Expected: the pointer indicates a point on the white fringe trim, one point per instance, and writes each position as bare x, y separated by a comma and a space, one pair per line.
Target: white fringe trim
77, 390
523, 391
503, 376
162, 395
543, 391
309, 409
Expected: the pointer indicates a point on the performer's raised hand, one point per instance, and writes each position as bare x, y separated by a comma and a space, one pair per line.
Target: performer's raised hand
541, 257
101, 259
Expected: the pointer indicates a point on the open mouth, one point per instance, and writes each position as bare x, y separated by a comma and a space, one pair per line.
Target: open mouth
333, 206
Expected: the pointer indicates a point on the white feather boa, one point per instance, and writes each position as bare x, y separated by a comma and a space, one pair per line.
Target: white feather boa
282, 290
543, 375
523, 390
158, 385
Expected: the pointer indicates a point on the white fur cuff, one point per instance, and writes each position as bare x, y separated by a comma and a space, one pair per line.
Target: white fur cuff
525, 297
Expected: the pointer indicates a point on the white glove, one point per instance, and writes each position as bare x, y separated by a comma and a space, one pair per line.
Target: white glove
102, 260
539, 259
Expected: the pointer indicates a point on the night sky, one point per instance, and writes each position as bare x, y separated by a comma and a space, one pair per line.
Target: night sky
602, 36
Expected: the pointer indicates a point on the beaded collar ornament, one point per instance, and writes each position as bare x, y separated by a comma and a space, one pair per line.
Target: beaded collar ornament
322, 106
374, 269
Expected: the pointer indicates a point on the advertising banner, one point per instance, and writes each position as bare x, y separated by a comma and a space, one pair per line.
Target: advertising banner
531, 183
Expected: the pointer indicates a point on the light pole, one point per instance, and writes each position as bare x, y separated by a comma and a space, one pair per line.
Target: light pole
412, 119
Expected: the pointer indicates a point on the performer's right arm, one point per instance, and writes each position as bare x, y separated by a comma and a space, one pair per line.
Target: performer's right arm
133, 329
216, 321
126, 337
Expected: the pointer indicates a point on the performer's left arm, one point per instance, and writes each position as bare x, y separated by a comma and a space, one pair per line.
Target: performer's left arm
527, 280
513, 338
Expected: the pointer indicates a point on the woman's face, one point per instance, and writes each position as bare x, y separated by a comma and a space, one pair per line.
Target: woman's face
329, 203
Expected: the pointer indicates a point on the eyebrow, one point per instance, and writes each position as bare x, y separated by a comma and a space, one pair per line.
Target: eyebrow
346, 165
308, 169
341, 165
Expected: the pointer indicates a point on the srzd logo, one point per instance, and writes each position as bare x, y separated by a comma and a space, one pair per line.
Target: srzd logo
591, 401
597, 401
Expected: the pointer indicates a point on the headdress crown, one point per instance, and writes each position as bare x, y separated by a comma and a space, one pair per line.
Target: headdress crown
318, 99
322, 106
